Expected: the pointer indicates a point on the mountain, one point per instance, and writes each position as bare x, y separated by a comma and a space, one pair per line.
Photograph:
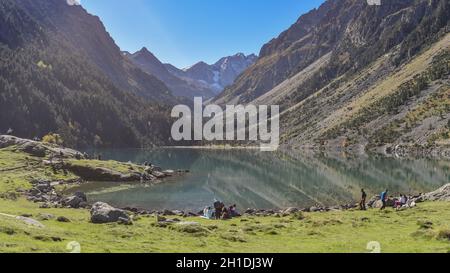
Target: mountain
199, 80
357, 76
218, 75
229, 68
61, 72
87, 34
145, 60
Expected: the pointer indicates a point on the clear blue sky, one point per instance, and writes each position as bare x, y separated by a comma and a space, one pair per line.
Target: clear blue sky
183, 32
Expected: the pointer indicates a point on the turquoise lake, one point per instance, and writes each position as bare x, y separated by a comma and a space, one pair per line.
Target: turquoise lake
254, 179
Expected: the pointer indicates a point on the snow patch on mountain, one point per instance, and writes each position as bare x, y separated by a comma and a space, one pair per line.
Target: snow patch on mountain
219, 75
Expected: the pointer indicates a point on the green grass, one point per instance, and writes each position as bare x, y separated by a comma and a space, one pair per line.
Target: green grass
18, 169
111, 164
13, 174
348, 231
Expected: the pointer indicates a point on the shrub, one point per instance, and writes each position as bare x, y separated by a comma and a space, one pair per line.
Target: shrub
53, 139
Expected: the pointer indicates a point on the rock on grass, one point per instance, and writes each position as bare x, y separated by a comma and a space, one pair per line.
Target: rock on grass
63, 219
103, 213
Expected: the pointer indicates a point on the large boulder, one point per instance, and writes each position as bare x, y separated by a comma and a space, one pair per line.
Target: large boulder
72, 201
36, 148
378, 204
91, 173
44, 187
169, 172
158, 174
441, 194
372, 200
290, 210
132, 177
81, 195
33, 148
103, 213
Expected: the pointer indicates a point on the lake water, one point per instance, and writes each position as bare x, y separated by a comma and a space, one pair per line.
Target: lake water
253, 179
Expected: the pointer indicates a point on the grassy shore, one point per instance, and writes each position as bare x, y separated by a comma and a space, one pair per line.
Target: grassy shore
425, 228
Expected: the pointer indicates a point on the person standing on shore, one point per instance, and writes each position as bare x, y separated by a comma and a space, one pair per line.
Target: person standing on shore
362, 203
218, 207
383, 197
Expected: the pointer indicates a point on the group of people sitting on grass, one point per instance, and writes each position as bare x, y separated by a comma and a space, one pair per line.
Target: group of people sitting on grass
220, 212
403, 200
398, 202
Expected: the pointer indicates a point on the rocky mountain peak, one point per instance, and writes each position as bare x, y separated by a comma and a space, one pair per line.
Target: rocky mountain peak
197, 66
180, 87
144, 50
144, 53
353, 32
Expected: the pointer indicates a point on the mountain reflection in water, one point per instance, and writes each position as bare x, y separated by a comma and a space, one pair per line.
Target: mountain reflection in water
253, 179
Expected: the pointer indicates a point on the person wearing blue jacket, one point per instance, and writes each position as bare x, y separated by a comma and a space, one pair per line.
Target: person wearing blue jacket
383, 197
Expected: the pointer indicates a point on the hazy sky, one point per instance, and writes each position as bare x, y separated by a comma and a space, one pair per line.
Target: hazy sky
183, 32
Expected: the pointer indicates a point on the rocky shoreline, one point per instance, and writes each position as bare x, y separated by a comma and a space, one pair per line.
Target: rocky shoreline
69, 161
441, 194
399, 151
409, 151
373, 203
65, 160
45, 194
